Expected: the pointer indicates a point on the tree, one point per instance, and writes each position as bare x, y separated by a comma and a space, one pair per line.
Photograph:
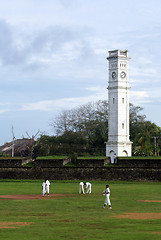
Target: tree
85, 129
88, 121
31, 147
44, 145
134, 114
142, 133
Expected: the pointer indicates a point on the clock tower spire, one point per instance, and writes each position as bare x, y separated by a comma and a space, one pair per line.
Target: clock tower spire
118, 104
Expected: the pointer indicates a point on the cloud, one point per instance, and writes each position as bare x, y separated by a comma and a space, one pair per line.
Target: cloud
50, 45
148, 96
98, 89
139, 95
62, 103
5, 107
10, 51
3, 111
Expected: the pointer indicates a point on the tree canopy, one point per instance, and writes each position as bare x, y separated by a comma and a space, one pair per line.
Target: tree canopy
85, 130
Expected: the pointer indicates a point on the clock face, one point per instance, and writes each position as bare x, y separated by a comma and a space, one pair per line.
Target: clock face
113, 75
123, 74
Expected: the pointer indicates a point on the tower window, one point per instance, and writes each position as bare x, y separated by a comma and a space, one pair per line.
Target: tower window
123, 125
113, 100
123, 100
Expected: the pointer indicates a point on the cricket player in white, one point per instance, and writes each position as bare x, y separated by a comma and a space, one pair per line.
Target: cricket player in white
43, 188
107, 200
81, 187
47, 186
88, 187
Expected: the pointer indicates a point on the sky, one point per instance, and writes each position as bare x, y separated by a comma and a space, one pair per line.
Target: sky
53, 58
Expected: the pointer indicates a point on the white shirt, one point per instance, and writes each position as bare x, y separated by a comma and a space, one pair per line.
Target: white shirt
107, 191
43, 185
47, 183
88, 184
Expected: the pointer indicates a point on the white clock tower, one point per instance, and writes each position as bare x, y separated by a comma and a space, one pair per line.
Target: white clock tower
118, 103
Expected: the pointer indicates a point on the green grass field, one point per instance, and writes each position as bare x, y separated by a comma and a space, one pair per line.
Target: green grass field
75, 216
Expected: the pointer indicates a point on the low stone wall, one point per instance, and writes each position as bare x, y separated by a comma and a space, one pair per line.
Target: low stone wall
139, 163
13, 163
87, 169
43, 163
92, 162
79, 173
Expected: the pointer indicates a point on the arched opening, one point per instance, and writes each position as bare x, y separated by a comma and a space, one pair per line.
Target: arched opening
125, 153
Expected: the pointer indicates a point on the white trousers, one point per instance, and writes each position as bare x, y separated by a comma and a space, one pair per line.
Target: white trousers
43, 192
47, 189
107, 200
81, 188
89, 189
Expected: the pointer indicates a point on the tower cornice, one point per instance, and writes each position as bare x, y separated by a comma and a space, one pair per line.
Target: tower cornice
118, 57
110, 88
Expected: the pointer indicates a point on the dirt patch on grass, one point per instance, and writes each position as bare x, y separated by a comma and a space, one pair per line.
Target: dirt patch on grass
141, 216
66, 220
14, 224
34, 196
149, 200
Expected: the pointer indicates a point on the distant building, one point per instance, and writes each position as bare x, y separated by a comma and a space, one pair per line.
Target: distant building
22, 147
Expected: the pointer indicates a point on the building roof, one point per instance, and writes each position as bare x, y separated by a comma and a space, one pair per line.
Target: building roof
22, 147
